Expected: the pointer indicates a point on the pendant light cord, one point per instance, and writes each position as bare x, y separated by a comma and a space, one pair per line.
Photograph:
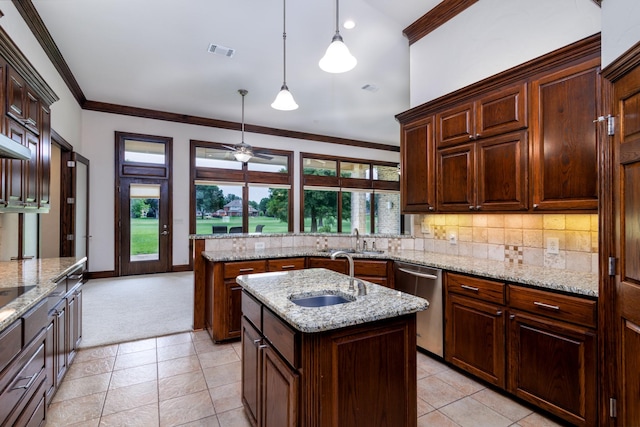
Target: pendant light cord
337, 19
284, 42
243, 93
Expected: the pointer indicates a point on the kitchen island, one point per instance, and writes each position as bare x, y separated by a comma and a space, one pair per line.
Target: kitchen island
352, 363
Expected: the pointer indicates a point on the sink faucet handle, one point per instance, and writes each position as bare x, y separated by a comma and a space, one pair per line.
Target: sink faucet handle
373, 245
364, 245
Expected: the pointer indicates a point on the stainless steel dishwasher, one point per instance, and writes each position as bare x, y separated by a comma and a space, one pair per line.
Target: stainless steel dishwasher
425, 282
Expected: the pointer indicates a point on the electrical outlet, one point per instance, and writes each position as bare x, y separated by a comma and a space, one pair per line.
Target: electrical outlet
453, 238
259, 246
425, 228
553, 245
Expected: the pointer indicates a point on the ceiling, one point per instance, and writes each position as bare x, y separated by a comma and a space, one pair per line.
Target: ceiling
154, 54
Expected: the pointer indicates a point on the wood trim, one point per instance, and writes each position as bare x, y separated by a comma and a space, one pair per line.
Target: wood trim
19, 62
436, 17
223, 124
31, 17
581, 50
622, 65
60, 141
99, 274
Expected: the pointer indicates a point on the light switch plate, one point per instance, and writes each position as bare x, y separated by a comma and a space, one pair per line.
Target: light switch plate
259, 246
553, 245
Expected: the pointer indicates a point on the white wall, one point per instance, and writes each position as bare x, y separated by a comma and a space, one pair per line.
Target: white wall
98, 134
620, 28
492, 36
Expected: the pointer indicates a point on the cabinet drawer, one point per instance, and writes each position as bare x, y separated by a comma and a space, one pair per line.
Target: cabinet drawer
486, 290
370, 268
252, 310
281, 336
286, 264
563, 307
339, 265
10, 343
25, 382
33, 321
233, 269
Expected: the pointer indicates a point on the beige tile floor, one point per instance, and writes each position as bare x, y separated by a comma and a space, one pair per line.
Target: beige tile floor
186, 380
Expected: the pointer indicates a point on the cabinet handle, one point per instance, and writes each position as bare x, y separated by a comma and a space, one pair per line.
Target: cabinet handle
32, 378
471, 207
470, 288
257, 342
470, 136
499, 313
513, 316
478, 207
244, 270
431, 208
535, 206
75, 276
543, 305
262, 346
478, 135
285, 267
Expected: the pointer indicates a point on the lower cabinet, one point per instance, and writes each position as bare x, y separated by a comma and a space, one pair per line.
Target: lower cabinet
362, 375
540, 346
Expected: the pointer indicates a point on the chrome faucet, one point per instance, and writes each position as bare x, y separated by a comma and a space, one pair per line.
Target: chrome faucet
357, 239
362, 290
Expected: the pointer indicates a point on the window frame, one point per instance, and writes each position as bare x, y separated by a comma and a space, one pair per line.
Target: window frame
234, 176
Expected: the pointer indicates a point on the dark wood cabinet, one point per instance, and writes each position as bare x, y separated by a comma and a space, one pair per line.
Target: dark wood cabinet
418, 172
489, 175
565, 104
319, 379
15, 170
475, 327
552, 364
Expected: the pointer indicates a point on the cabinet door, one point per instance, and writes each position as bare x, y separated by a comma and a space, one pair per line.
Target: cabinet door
45, 159
502, 173
234, 305
339, 265
278, 391
565, 138
32, 175
284, 264
502, 111
456, 178
455, 125
475, 338
61, 332
251, 340
16, 95
553, 365
72, 319
15, 169
75, 321
50, 346
417, 178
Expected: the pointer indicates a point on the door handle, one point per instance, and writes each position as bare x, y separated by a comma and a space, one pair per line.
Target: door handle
165, 233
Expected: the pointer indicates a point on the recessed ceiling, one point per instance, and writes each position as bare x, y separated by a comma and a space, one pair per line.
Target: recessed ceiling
154, 54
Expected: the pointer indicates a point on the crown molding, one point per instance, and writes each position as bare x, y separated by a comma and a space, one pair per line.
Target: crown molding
433, 19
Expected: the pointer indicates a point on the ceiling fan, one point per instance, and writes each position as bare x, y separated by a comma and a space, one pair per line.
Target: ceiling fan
243, 152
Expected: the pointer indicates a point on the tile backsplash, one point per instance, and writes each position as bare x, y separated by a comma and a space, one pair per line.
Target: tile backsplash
563, 241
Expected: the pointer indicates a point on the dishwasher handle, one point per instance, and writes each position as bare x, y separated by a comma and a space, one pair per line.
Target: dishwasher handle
417, 273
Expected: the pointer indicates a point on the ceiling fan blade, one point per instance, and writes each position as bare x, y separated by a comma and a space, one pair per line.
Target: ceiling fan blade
262, 156
228, 147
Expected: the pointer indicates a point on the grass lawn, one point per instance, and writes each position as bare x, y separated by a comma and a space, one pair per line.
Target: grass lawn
144, 236
271, 225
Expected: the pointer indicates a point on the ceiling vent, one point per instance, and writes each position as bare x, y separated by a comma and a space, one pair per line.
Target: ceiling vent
221, 50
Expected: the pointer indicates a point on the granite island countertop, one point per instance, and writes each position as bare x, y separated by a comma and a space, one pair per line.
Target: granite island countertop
274, 289
42, 273
585, 284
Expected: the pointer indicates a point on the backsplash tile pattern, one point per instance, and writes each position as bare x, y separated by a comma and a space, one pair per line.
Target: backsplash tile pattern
516, 238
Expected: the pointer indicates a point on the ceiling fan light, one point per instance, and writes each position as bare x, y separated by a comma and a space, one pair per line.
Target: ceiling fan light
242, 156
284, 100
337, 58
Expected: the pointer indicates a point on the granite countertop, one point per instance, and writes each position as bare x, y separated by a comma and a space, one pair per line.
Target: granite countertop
43, 273
585, 284
274, 289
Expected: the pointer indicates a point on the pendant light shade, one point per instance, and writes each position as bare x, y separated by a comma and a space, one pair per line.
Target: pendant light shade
337, 58
284, 100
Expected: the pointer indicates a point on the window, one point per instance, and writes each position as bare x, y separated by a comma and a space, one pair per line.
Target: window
341, 195
234, 197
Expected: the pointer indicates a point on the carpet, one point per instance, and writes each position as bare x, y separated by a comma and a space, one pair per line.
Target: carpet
136, 307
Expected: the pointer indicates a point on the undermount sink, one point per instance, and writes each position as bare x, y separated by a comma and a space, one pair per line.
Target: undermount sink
353, 251
321, 300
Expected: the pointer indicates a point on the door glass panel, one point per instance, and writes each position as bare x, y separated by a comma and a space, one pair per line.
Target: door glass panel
268, 209
145, 229
144, 152
81, 209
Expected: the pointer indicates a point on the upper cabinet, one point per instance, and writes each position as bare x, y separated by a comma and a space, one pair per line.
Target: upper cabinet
25, 99
523, 140
565, 138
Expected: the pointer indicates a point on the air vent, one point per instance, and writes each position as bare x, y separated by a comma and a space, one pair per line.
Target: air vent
370, 88
221, 50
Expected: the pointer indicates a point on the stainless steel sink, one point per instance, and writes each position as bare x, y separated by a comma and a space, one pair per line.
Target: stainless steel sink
322, 300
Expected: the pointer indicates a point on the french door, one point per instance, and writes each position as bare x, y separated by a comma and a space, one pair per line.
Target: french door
143, 204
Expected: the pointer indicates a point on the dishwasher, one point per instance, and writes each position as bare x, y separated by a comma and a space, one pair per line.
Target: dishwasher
424, 282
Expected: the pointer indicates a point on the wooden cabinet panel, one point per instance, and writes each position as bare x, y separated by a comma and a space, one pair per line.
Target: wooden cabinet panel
552, 364
418, 167
339, 265
565, 139
16, 95
283, 264
455, 125
15, 169
237, 268
502, 173
279, 391
251, 340
44, 177
281, 336
502, 111
486, 290
456, 178
32, 172
562, 307
475, 338
370, 268
234, 309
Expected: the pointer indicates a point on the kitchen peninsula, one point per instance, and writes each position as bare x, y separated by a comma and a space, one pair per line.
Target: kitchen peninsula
352, 363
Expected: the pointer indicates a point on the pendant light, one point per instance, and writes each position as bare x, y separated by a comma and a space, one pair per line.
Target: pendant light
337, 58
284, 100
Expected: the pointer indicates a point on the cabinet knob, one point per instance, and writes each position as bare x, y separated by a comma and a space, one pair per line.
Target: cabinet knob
431, 208
513, 316
499, 313
478, 135
471, 207
470, 136
535, 206
478, 207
